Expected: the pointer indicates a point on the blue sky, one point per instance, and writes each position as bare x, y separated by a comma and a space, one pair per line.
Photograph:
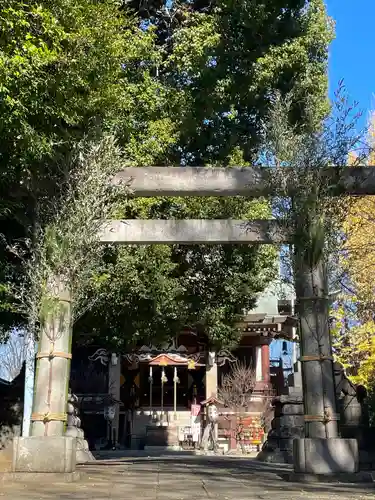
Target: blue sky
352, 52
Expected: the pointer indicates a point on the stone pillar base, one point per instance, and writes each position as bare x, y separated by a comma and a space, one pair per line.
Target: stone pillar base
55, 454
325, 456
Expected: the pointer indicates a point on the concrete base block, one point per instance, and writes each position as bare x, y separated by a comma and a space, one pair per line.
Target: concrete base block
325, 456
52, 454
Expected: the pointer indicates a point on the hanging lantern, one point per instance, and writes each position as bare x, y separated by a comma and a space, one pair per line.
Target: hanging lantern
191, 364
163, 377
150, 379
109, 412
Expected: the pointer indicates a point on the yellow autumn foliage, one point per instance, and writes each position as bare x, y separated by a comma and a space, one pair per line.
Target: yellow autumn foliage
354, 347
359, 250
354, 341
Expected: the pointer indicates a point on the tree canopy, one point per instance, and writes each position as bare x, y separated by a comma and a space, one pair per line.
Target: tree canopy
181, 83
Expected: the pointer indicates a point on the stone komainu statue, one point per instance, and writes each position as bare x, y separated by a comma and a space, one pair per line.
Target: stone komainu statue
351, 405
74, 429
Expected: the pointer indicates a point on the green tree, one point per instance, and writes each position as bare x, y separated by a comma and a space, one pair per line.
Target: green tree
224, 59
68, 69
187, 83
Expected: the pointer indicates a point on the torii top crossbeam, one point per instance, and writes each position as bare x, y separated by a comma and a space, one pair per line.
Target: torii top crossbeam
245, 181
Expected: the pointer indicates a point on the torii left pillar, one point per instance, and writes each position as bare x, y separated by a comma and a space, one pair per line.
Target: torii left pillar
47, 449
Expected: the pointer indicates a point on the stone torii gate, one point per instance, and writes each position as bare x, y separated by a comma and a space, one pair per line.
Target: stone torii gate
322, 451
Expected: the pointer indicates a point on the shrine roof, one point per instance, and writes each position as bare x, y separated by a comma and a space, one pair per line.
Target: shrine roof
281, 326
170, 359
212, 400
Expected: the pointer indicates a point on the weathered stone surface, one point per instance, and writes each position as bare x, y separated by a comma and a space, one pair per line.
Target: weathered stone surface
44, 454
6, 459
144, 232
315, 343
325, 456
275, 456
288, 409
340, 477
193, 181
74, 430
287, 425
38, 477
291, 432
53, 370
286, 444
287, 421
289, 398
248, 181
83, 454
180, 476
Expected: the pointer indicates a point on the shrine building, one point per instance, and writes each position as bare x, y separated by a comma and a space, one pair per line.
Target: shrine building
161, 384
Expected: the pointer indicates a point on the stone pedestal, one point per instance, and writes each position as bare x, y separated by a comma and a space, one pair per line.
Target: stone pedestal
287, 424
325, 456
83, 454
52, 454
74, 430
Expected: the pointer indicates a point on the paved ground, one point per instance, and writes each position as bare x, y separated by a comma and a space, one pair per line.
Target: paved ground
183, 478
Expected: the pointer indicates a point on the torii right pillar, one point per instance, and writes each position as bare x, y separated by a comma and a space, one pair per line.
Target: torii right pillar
322, 451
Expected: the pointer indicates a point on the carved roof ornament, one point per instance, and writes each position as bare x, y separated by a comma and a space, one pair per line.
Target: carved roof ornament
101, 355
224, 356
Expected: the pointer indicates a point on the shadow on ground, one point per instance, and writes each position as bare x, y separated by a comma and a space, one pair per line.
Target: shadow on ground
176, 477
